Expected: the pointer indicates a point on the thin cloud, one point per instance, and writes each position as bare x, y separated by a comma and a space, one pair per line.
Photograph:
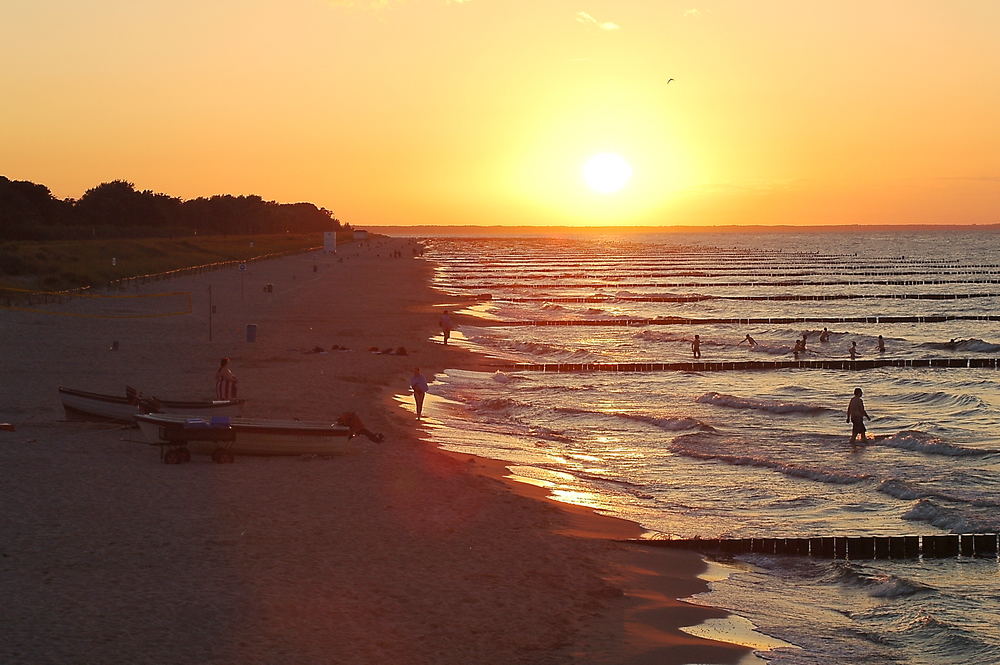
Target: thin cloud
590, 21
693, 13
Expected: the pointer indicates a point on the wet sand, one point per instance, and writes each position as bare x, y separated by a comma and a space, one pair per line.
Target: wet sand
395, 552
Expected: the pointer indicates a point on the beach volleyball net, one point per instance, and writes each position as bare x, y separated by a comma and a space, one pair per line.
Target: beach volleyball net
94, 305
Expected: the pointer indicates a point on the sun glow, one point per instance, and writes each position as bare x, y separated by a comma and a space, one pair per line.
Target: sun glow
606, 172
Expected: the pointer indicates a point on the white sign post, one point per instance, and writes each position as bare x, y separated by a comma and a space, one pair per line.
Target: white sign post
330, 242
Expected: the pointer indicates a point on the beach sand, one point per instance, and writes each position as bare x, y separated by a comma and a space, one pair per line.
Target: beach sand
392, 553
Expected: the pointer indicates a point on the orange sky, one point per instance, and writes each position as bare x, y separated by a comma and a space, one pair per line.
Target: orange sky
482, 111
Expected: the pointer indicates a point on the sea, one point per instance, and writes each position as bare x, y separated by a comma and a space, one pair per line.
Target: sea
753, 453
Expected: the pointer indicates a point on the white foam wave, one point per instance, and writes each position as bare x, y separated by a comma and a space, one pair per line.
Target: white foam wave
880, 585
793, 470
668, 423
927, 511
759, 404
973, 345
903, 490
923, 442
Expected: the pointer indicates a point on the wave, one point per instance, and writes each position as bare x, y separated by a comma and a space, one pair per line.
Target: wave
551, 307
903, 490
942, 398
657, 336
760, 404
973, 345
794, 470
879, 585
946, 519
542, 351
780, 350
929, 444
668, 423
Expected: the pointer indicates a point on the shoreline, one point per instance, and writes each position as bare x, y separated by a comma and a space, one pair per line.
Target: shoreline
397, 552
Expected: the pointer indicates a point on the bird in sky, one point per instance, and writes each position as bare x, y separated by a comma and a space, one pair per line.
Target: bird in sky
669, 80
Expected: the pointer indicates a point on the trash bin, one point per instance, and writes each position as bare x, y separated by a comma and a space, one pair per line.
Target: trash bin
251, 332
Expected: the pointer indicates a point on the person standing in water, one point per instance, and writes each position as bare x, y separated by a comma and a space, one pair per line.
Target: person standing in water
824, 336
419, 385
696, 347
881, 344
749, 340
225, 381
853, 350
856, 415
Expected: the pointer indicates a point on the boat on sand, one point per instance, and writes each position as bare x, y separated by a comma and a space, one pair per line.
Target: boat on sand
245, 436
124, 408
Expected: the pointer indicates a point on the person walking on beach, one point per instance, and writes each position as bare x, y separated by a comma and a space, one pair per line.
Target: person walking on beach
419, 385
696, 347
853, 350
445, 323
225, 381
856, 415
881, 344
749, 340
824, 336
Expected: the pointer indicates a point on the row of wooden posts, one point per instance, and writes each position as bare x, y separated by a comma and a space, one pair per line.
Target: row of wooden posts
779, 297
682, 321
967, 363
844, 547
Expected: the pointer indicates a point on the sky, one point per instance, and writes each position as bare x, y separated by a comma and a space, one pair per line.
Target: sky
398, 112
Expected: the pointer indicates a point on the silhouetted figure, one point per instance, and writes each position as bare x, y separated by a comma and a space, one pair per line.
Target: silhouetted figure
856, 414
445, 323
419, 385
749, 340
696, 347
800, 347
824, 336
881, 344
853, 350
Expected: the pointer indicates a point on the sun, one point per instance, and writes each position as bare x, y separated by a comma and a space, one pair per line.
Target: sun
606, 172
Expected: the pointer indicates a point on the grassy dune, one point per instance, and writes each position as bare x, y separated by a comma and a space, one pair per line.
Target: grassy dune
69, 264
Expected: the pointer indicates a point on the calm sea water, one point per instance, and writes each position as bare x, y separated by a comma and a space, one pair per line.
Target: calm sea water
761, 453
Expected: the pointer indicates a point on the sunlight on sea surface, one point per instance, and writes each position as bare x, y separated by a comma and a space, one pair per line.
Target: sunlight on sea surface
751, 453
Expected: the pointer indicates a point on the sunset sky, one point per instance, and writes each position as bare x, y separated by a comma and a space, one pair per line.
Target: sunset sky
484, 111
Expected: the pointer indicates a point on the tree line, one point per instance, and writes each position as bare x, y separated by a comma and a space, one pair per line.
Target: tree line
116, 209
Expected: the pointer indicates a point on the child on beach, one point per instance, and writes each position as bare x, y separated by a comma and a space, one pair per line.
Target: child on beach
856, 414
419, 385
225, 381
696, 347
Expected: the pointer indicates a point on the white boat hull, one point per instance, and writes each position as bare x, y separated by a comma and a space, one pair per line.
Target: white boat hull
113, 407
251, 436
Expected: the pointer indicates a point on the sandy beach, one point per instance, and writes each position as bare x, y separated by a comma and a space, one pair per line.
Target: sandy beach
396, 552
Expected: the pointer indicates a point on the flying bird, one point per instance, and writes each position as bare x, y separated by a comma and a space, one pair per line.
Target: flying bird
669, 80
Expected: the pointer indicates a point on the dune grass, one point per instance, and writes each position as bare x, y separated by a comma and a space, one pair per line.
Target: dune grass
67, 264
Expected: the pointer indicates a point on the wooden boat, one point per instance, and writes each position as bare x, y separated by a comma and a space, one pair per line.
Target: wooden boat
124, 409
244, 436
